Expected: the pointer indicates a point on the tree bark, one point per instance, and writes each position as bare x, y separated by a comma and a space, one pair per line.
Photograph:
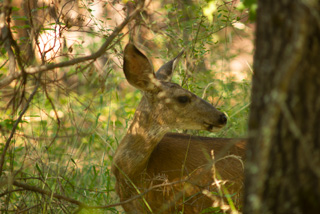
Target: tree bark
283, 157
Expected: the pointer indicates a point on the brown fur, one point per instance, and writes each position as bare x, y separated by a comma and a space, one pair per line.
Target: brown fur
169, 173
180, 156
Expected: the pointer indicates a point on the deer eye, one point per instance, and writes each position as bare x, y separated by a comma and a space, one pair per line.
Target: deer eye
183, 99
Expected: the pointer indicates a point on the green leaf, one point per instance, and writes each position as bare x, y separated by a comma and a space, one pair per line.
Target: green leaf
21, 27
39, 8
212, 210
39, 170
97, 118
251, 5
20, 18
73, 161
15, 9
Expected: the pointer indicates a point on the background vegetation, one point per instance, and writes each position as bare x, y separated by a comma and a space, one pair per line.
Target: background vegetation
59, 126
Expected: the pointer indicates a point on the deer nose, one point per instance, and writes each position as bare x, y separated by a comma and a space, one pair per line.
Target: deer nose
223, 119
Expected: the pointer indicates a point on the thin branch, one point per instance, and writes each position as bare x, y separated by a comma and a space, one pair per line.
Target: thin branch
131, 199
11, 191
100, 52
48, 193
82, 205
56, 115
28, 208
105, 46
16, 125
4, 63
4, 32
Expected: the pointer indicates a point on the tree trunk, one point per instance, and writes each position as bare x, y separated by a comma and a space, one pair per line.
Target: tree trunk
283, 158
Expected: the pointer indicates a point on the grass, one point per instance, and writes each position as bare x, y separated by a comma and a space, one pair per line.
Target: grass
66, 140
74, 157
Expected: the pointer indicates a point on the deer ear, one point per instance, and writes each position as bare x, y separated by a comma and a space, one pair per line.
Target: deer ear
137, 69
165, 72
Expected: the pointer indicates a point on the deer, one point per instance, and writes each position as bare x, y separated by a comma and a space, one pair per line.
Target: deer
161, 172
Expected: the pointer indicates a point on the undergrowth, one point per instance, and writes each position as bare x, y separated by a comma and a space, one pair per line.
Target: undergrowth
65, 142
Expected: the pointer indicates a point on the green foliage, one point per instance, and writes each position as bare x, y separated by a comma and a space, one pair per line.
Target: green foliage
212, 210
66, 140
251, 5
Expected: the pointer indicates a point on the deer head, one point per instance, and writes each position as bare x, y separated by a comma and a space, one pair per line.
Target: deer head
165, 103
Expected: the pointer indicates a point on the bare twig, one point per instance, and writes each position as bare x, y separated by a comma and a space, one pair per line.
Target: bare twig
4, 33
105, 46
100, 52
48, 193
11, 191
15, 125
56, 115
81, 205
131, 199
28, 208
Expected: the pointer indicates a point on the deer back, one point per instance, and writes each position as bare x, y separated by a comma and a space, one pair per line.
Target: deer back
167, 173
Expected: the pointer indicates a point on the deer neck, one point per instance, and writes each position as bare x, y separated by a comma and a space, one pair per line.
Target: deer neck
142, 137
